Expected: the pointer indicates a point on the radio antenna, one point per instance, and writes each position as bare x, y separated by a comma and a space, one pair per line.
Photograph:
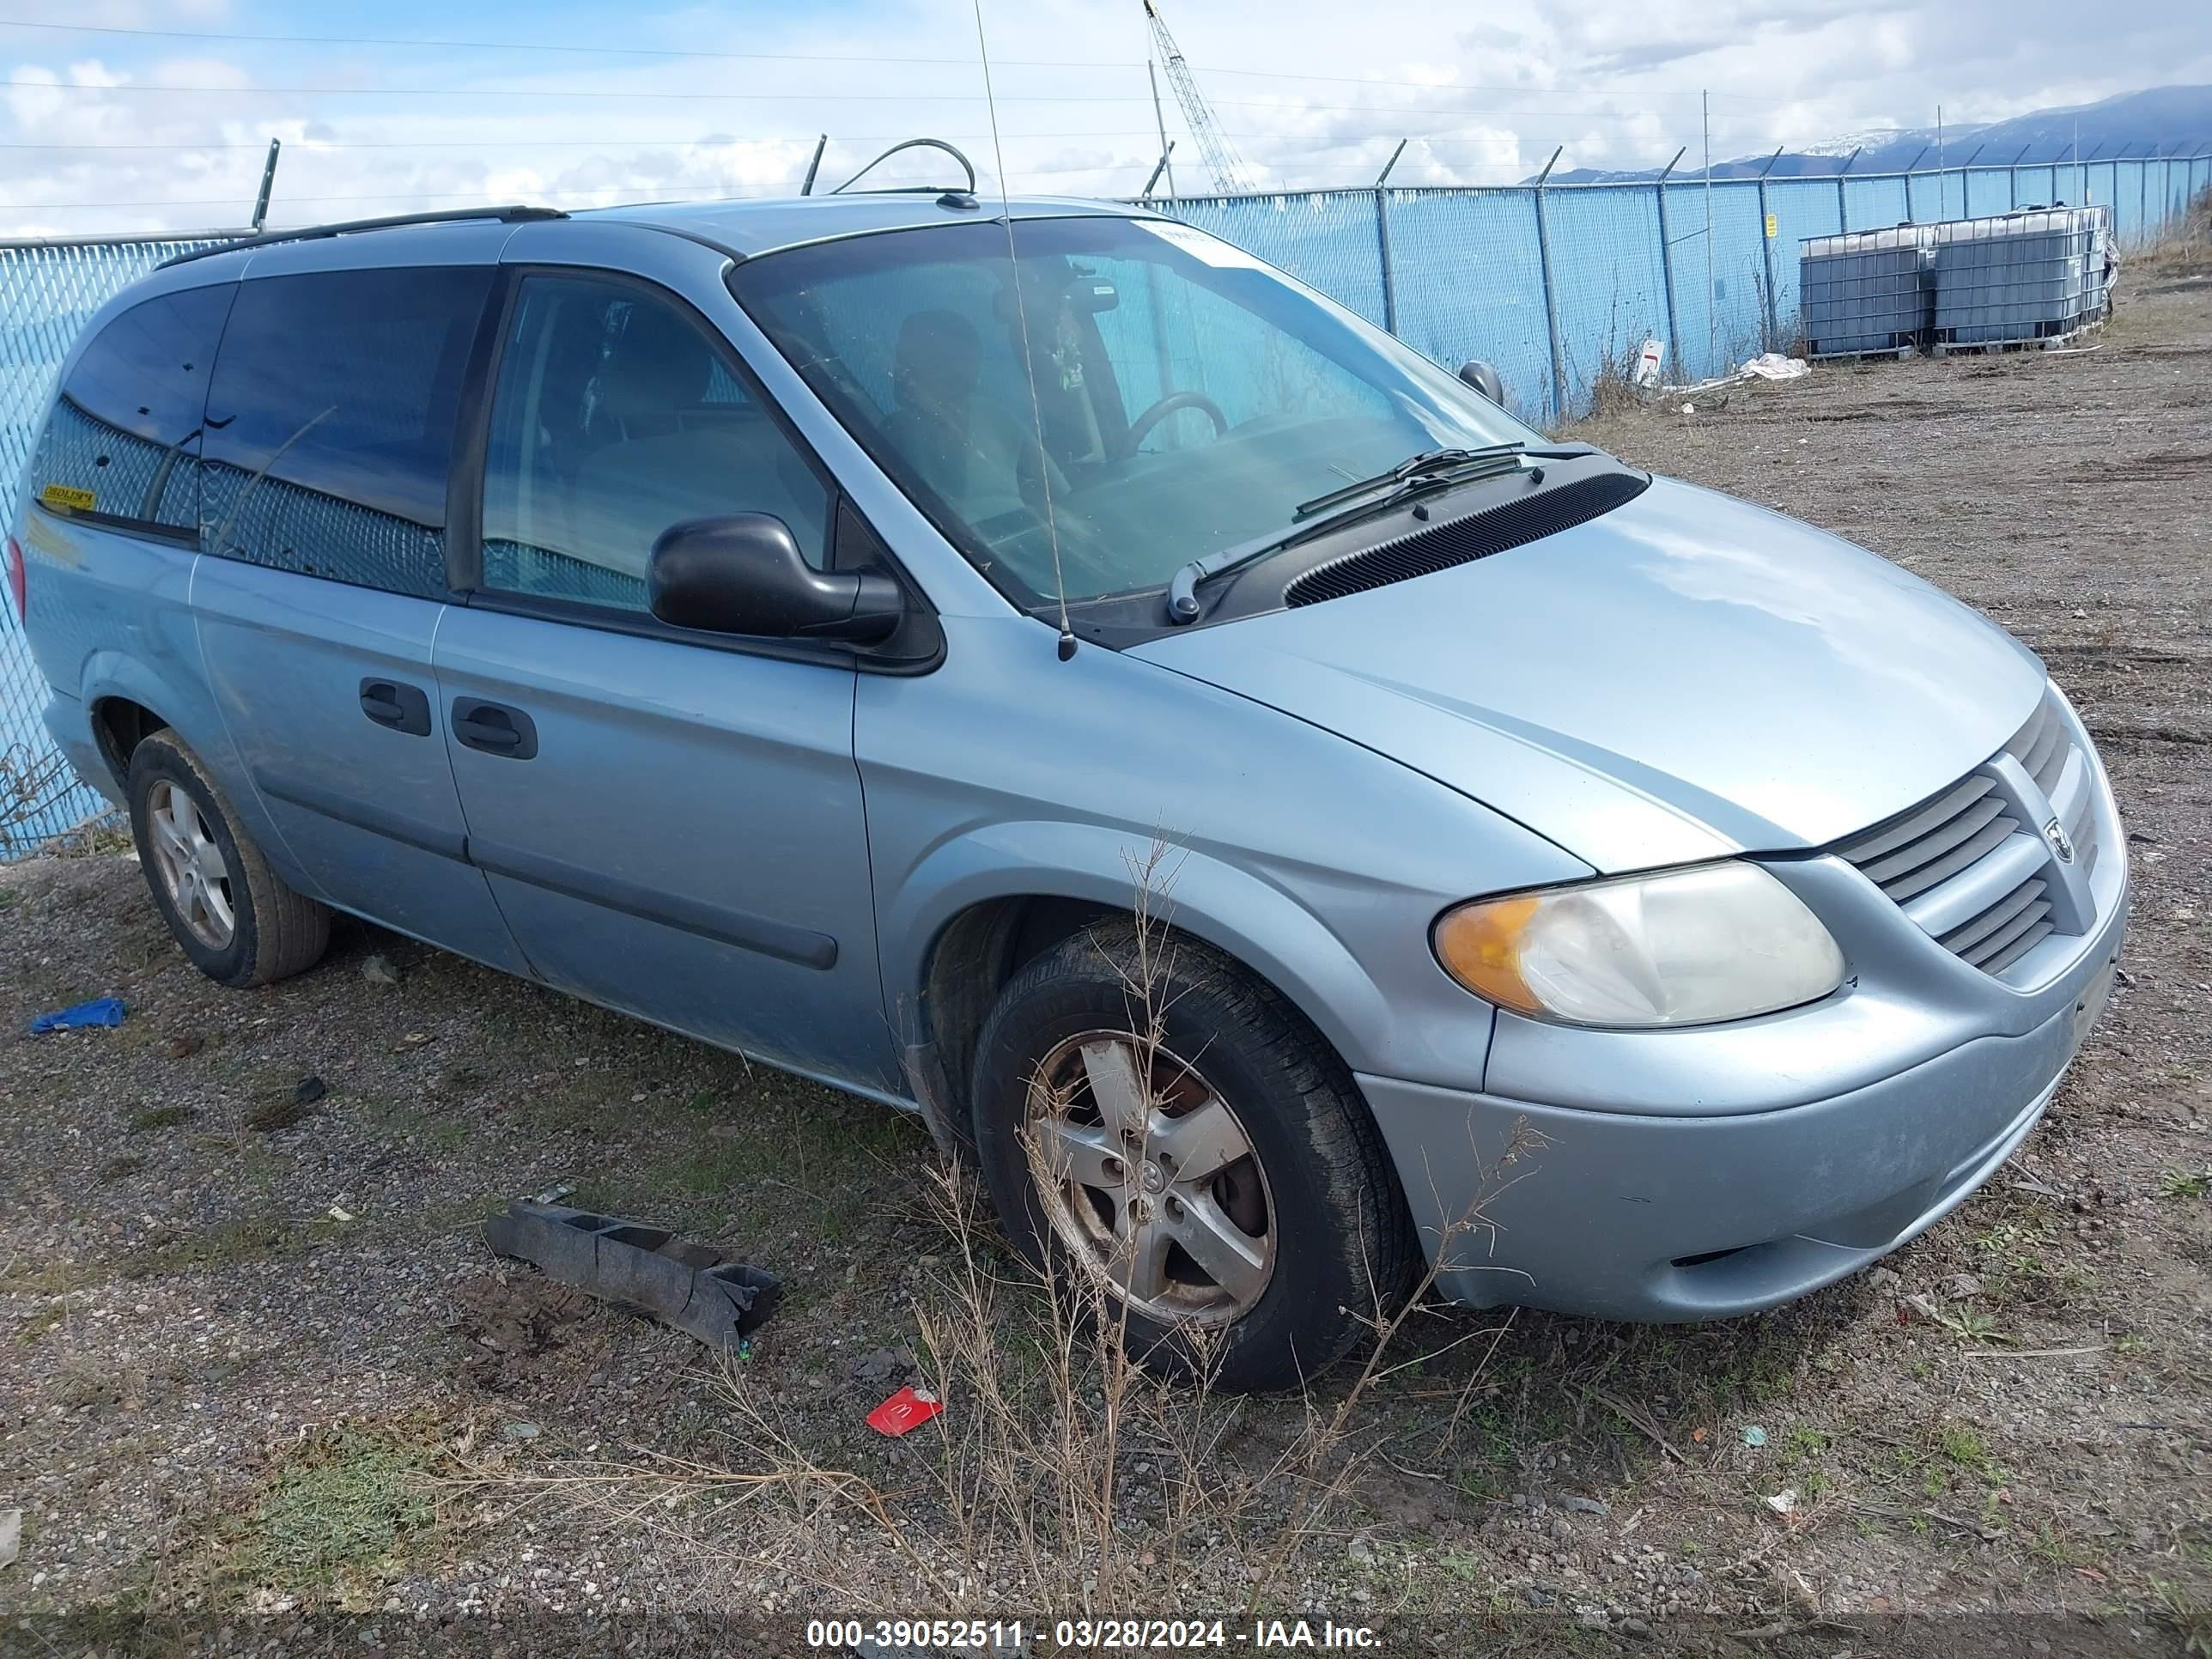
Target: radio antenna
1029, 359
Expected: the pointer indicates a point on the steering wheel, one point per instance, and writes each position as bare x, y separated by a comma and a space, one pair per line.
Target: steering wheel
1141, 427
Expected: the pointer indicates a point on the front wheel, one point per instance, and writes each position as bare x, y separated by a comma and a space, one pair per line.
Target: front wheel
1152, 1115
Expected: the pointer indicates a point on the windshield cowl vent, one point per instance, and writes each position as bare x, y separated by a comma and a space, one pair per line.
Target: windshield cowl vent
1462, 541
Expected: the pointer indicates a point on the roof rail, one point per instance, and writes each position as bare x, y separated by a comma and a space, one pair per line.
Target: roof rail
516, 214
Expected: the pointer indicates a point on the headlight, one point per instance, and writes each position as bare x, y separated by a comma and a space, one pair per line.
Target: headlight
1684, 947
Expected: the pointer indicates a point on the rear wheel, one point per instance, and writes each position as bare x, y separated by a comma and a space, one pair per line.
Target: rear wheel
237, 921
1197, 1151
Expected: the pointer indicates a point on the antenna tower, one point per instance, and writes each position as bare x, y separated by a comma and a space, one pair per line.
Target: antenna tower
1220, 156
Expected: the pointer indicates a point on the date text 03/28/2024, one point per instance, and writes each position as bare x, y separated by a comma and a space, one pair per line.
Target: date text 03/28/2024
1100, 1634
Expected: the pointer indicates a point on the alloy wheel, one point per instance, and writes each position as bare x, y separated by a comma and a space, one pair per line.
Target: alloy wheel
189, 864
1150, 1179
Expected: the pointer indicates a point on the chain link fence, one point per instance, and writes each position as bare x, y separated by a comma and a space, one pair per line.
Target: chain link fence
48, 292
1559, 285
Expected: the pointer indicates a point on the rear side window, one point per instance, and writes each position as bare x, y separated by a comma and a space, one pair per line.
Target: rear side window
122, 445
330, 423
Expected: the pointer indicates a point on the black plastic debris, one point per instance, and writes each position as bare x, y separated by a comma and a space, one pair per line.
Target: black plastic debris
688, 1285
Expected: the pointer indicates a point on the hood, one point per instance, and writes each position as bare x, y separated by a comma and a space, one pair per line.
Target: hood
1686, 677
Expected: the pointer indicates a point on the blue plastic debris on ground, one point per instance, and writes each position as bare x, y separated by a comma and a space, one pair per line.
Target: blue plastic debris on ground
100, 1010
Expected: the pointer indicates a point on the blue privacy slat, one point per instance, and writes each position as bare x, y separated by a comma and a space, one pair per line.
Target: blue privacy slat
2100, 179
1469, 285
1801, 208
47, 294
2126, 194
1876, 203
1717, 336
1608, 286
1989, 190
1326, 240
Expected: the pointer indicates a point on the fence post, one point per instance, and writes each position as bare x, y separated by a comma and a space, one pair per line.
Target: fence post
1551, 302
1843, 197
1158, 168
1666, 258
267, 183
1767, 248
2016, 160
1382, 239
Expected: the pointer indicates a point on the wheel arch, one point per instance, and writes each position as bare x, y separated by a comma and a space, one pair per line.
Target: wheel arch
126, 700
120, 724
977, 908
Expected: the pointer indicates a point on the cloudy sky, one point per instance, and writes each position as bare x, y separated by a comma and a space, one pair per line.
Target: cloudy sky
108, 125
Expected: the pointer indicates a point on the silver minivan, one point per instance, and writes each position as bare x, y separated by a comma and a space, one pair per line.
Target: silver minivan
1042, 668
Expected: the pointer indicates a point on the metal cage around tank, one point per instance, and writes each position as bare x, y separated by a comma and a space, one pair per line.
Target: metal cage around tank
2034, 276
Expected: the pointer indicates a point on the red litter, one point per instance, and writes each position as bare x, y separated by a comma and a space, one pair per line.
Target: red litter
909, 1408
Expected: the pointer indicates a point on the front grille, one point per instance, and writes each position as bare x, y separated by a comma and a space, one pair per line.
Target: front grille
2044, 750
1935, 843
1462, 541
1977, 867
2004, 932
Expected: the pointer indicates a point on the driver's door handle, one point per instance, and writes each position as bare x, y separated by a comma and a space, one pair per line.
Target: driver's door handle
493, 728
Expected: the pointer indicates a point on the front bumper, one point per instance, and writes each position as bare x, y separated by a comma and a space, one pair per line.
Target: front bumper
1669, 1217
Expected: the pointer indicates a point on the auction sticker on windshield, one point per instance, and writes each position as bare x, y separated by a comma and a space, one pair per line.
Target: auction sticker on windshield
1199, 246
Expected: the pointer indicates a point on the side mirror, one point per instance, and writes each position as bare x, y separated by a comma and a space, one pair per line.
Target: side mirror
743, 574
1484, 378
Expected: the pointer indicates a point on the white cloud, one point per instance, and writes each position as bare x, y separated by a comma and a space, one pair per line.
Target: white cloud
1319, 95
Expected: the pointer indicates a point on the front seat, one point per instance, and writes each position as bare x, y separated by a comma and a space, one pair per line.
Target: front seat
966, 445
672, 458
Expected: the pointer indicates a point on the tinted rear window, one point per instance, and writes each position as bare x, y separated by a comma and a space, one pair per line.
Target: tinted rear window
331, 423
123, 444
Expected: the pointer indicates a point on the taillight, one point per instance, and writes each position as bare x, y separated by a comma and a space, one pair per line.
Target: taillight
15, 582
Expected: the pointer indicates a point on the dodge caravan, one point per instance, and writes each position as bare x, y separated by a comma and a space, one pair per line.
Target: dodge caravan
823, 627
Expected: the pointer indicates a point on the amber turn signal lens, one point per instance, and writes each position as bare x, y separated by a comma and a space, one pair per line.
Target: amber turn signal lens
1479, 945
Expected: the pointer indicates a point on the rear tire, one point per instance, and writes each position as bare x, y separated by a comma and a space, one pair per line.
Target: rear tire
1237, 1204
238, 922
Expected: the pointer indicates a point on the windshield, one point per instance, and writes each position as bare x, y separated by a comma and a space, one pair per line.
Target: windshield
1189, 398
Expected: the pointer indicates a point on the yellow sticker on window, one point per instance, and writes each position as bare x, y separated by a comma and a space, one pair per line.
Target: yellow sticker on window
1773, 226
69, 498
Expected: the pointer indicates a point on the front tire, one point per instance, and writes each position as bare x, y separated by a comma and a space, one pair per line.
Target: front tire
239, 924
1196, 1149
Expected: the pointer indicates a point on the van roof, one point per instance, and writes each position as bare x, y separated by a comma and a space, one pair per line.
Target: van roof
748, 228
742, 229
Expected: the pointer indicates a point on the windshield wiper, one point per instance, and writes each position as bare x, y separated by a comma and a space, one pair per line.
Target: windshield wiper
1415, 476
1429, 460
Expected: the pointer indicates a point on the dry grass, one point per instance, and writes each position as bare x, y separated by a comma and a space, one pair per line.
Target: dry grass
2182, 248
1066, 1475
1063, 1476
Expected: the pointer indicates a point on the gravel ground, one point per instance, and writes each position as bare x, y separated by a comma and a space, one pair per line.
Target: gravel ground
258, 1357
